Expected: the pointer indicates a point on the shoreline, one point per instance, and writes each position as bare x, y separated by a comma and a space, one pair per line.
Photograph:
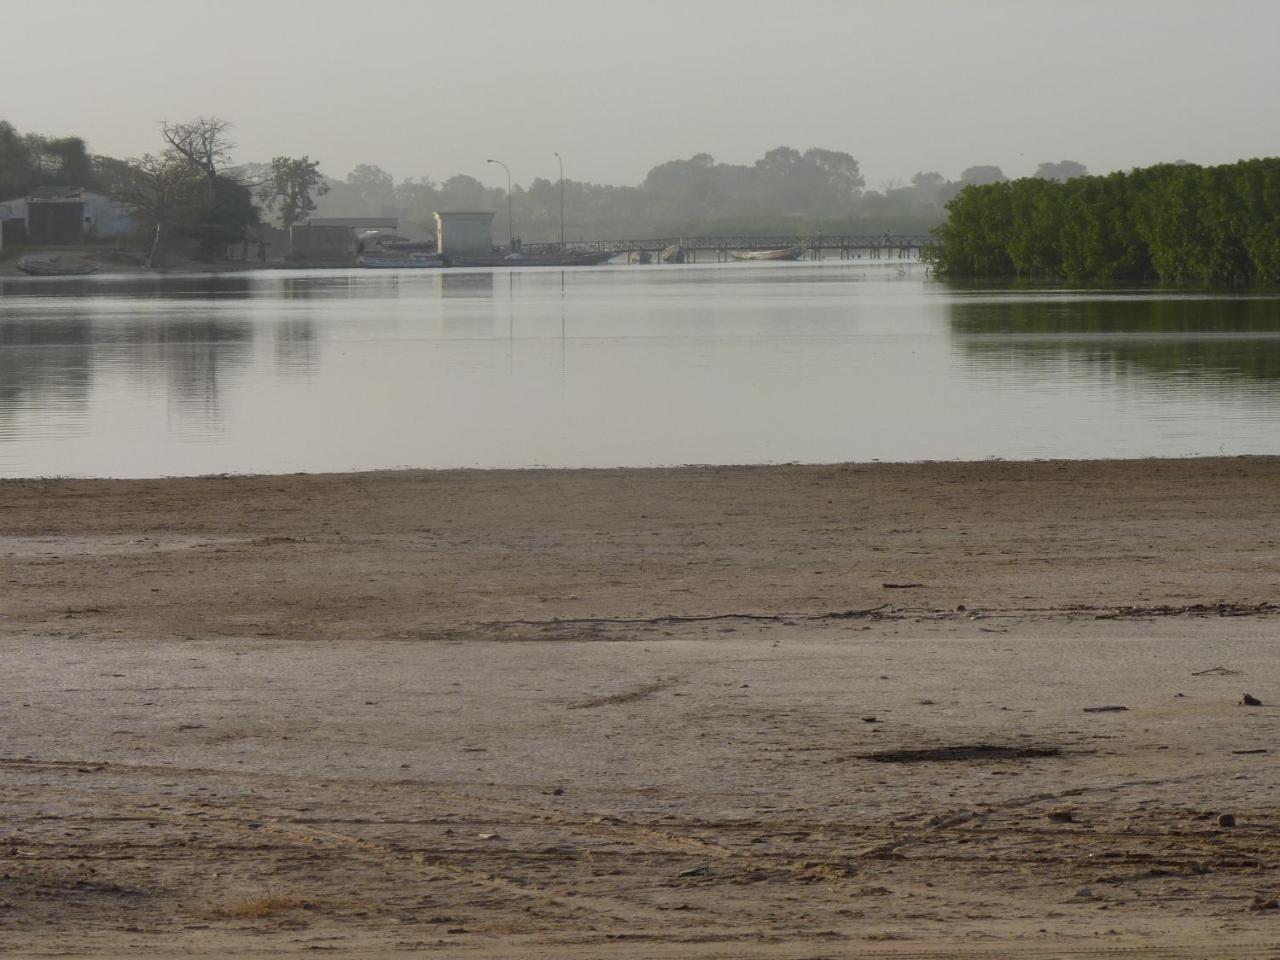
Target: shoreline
667, 468
112, 268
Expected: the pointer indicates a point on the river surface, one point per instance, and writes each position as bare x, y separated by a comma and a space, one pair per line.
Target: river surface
282, 371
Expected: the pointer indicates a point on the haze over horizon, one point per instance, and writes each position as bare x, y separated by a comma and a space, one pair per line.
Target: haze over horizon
435, 89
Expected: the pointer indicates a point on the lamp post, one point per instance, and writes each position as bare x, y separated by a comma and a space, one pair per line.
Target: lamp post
561, 159
511, 236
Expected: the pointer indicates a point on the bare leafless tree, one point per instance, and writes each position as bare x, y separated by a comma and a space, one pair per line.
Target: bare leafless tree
204, 143
155, 188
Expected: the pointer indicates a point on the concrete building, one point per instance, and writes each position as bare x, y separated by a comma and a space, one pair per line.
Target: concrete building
465, 233
309, 242
13, 225
66, 215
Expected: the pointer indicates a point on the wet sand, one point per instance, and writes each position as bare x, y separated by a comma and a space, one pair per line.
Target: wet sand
705, 712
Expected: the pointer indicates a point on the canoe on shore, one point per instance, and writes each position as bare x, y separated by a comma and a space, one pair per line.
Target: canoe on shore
55, 266
788, 253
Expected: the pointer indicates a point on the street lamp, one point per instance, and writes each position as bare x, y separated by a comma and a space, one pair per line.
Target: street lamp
561, 159
511, 236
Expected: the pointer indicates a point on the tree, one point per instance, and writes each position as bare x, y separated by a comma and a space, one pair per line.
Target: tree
779, 161
290, 186
842, 169
462, 192
1174, 222
108, 174
981, 175
375, 189
974, 242
16, 178
1061, 171
59, 161
227, 218
155, 189
816, 183
205, 143
30, 161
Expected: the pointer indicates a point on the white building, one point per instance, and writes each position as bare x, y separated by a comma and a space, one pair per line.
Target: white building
98, 215
464, 233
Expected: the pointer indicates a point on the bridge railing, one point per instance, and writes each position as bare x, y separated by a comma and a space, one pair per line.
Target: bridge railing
814, 242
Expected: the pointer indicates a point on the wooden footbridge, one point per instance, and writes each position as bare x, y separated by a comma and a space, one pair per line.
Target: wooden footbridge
817, 247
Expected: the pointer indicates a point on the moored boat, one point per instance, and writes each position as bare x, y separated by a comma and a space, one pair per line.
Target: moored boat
415, 261
55, 266
527, 260
788, 253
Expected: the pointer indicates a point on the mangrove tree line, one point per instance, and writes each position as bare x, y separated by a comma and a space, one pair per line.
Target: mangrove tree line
1173, 223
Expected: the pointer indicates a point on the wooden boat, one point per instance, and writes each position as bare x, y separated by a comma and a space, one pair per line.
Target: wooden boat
789, 253
55, 266
588, 259
415, 261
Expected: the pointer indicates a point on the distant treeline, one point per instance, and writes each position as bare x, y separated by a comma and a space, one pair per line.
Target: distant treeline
189, 188
784, 192
30, 161
1172, 223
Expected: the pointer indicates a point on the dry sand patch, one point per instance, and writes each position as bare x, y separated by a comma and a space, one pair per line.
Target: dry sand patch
638, 713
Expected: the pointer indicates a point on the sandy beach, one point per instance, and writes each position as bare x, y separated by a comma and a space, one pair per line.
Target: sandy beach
837, 711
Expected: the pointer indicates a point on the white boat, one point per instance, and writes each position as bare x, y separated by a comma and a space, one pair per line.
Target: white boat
788, 253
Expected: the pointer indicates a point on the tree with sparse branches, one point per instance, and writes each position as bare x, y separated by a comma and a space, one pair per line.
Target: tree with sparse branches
156, 189
290, 187
205, 143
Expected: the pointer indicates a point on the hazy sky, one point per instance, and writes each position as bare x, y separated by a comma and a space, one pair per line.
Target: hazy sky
434, 87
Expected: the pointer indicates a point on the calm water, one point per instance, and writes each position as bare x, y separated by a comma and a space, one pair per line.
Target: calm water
284, 371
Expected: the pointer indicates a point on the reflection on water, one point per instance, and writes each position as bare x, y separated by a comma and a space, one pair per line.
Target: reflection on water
42, 365
1197, 339
53, 355
333, 370
451, 284
296, 346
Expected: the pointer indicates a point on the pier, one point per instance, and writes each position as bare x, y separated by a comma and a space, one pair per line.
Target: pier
850, 247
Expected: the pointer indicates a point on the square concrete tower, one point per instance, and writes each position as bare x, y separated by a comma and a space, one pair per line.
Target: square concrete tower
464, 233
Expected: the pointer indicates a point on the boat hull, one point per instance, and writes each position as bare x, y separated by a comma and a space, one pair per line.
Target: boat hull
791, 253
569, 260
403, 263
55, 267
